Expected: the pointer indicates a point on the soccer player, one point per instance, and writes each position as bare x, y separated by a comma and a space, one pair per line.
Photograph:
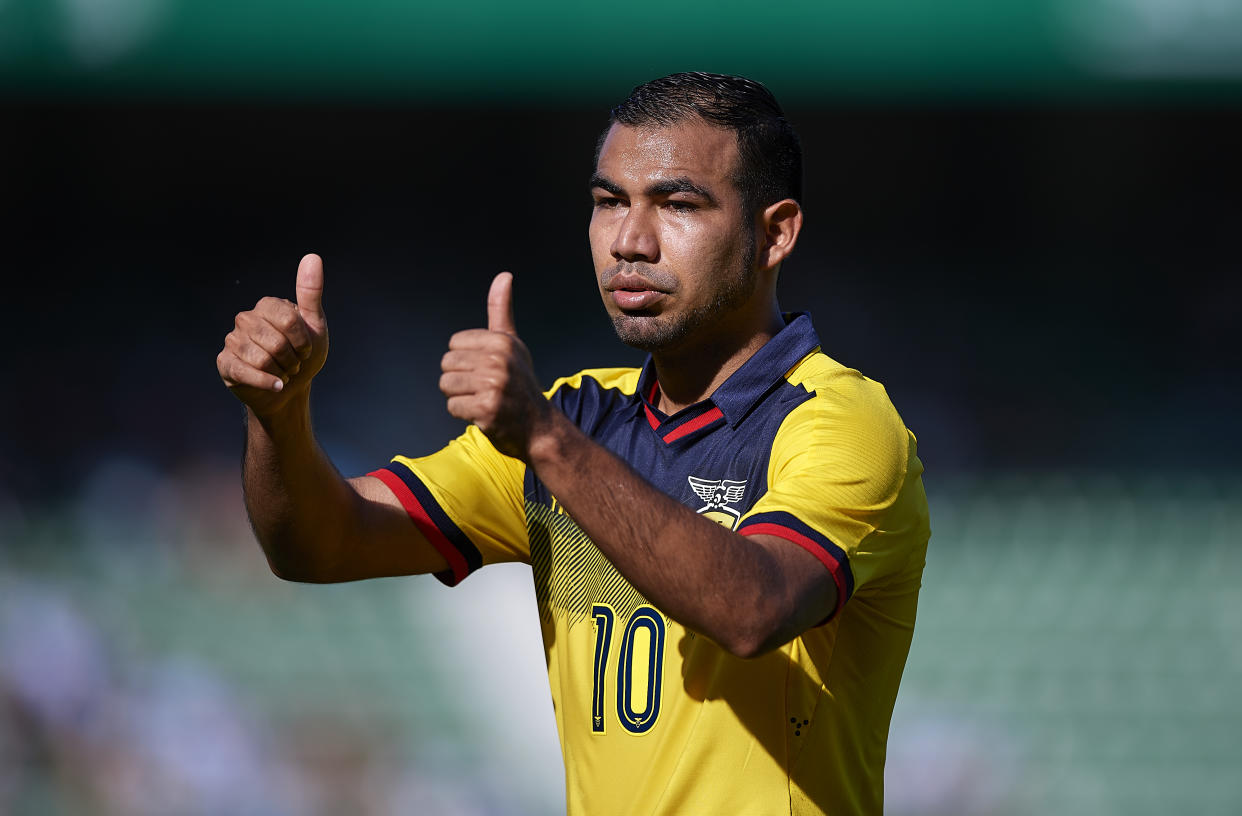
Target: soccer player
727, 544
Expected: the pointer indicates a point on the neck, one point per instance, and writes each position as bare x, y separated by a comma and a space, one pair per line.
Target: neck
691, 373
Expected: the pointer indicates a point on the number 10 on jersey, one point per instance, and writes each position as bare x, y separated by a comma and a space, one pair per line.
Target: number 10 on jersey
638, 686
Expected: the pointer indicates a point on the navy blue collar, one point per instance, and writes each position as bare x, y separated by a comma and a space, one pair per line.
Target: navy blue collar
766, 368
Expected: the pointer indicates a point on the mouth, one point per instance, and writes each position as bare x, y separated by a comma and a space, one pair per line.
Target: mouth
634, 300
632, 293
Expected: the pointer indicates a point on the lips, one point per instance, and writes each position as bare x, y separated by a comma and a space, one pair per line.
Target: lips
632, 292
636, 299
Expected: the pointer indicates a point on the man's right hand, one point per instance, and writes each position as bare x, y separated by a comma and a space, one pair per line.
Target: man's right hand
275, 349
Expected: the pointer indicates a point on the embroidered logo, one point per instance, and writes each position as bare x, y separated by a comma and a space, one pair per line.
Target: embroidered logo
719, 494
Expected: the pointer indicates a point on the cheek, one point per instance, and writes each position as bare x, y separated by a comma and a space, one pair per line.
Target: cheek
601, 233
686, 241
705, 250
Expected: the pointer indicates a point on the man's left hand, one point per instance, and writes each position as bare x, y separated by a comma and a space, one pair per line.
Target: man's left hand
489, 378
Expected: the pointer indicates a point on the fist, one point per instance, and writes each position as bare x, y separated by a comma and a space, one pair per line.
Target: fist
489, 379
275, 349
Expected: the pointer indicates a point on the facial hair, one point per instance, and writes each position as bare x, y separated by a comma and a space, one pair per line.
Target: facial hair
659, 332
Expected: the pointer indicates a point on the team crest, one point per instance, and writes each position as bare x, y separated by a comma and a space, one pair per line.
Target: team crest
719, 494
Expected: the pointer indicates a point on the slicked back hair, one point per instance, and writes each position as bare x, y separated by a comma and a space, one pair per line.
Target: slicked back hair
769, 153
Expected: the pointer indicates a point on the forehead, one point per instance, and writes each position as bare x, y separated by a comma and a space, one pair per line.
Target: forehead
692, 149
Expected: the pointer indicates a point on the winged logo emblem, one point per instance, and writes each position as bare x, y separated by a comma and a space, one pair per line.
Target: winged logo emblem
719, 494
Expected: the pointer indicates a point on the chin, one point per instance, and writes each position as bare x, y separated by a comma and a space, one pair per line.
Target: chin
649, 332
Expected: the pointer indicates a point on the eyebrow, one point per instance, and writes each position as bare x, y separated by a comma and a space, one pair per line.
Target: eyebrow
681, 184
604, 184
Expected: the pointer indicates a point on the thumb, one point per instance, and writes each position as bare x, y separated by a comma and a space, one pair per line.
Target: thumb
500, 305
310, 292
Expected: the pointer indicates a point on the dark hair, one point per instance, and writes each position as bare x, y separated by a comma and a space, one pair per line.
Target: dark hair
769, 154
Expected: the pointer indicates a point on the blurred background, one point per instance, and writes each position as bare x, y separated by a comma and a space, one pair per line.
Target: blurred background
1023, 218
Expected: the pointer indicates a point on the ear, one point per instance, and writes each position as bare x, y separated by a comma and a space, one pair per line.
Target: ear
778, 225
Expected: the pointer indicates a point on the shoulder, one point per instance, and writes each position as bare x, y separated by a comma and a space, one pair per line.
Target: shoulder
844, 395
848, 417
623, 380
589, 397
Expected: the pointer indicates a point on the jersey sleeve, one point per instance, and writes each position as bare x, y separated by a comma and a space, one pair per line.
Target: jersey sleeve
466, 500
844, 484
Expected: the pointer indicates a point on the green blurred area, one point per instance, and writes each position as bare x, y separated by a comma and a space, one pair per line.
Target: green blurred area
559, 51
1078, 651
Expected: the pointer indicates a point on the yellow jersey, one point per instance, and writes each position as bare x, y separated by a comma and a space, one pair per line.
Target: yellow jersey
654, 718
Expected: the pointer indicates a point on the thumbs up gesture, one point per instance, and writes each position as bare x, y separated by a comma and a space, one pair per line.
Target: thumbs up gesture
275, 349
489, 378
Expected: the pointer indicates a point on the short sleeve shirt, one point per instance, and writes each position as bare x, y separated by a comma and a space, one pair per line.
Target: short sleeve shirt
653, 717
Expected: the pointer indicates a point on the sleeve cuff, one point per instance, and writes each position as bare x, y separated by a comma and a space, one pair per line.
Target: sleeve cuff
789, 527
432, 522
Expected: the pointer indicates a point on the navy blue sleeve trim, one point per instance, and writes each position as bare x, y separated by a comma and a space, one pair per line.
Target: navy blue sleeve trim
787, 525
439, 519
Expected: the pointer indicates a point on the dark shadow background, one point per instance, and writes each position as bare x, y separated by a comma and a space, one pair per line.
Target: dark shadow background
1038, 288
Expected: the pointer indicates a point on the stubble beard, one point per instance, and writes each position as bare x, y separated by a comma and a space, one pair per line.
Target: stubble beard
660, 332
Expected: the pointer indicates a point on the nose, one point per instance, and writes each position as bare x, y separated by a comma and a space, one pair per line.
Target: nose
636, 238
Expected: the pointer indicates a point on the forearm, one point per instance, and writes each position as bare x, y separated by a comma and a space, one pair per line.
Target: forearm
734, 589
302, 511
749, 594
312, 524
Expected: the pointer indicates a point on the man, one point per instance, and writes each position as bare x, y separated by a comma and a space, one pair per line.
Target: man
727, 544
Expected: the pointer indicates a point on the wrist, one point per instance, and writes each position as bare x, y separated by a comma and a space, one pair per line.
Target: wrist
288, 422
551, 441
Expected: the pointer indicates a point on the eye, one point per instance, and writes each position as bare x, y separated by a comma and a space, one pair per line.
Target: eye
607, 203
681, 206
